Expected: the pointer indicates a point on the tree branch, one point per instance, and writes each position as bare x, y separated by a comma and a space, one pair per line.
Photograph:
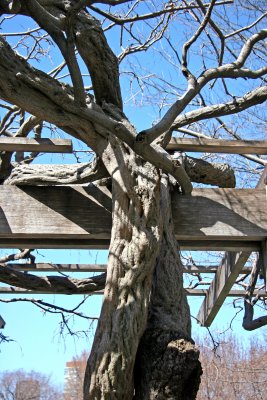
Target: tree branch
51, 284
256, 96
68, 174
232, 70
217, 174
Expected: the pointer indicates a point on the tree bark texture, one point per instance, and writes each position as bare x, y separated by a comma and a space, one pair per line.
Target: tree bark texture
135, 239
167, 365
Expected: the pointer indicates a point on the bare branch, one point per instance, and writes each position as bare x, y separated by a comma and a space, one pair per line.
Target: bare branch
43, 174
232, 70
188, 44
51, 284
49, 307
256, 96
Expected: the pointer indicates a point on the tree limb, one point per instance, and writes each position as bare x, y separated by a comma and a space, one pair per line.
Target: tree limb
217, 174
232, 70
51, 284
48, 174
256, 96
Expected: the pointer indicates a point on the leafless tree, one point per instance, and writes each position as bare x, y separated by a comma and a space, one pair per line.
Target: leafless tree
21, 385
235, 371
210, 70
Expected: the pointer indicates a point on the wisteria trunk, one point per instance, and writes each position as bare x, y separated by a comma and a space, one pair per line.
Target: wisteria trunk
139, 242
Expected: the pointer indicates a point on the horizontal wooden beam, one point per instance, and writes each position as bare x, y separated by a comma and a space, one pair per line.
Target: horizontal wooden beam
224, 214
232, 293
221, 285
44, 145
218, 146
48, 267
219, 245
80, 217
189, 292
97, 244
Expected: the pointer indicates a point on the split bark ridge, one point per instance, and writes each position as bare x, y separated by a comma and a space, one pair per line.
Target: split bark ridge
167, 365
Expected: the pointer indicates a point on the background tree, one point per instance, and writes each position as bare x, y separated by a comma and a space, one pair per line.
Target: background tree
21, 385
210, 65
234, 371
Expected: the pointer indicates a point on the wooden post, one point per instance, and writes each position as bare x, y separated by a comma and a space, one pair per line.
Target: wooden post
264, 262
225, 277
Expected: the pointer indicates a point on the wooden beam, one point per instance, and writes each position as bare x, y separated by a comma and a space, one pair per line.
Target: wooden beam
232, 293
225, 278
44, 145
218, 146
189, 292
264, 262
219, 245
224, 214
102, 244
80, 217
208, 269
48, 267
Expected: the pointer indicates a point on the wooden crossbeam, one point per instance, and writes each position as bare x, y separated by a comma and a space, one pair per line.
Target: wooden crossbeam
44, 145
227, 274
48, 267
218, 146
232, 293
221, 285
264, 261
103, 244
189, 292
80, 217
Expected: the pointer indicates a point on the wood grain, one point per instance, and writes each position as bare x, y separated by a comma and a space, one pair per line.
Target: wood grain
81, 217
44, 145
218, 146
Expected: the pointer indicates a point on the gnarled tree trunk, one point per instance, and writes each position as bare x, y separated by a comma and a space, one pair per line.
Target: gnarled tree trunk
167, 365
142, 237
135, 239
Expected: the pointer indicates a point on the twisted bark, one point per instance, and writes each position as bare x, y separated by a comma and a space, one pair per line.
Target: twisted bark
167, 365
135, 239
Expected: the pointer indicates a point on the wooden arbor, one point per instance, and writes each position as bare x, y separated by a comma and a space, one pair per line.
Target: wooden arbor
233, 220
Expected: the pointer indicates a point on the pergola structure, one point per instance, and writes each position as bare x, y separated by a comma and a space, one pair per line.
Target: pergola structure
79, 217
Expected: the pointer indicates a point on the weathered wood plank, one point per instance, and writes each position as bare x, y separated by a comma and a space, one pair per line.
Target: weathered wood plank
224, 279
219, 245
264, 262
218, 146
80, 217
48, 267
43, 145
232, 293
102, 244
189, 292
224, 214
